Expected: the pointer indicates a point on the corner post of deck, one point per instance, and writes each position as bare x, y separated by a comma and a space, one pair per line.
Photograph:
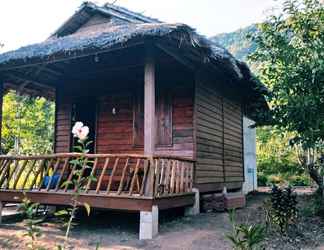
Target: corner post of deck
149, 101
149, 224
195, 208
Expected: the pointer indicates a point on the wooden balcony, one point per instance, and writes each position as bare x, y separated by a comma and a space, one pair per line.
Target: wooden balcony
122, 181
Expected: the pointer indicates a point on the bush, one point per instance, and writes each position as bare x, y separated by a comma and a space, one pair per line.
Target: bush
281, 209
301, 181
262, 180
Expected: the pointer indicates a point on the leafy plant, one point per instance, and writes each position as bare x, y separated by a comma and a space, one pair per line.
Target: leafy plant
246, 237
79, 179
289, 54
281, 208
33, 231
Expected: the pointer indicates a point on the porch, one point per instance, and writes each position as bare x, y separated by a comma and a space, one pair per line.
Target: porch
124, 182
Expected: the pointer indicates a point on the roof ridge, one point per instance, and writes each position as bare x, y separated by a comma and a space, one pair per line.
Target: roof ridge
126, 11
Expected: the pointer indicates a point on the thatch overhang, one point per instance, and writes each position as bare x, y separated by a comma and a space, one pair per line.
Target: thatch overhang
178, 40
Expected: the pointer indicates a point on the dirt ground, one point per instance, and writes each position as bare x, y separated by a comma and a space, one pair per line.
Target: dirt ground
205, 231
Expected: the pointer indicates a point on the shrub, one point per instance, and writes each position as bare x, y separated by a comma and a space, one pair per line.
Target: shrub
301, 181
282, 208
262, 180
246, 237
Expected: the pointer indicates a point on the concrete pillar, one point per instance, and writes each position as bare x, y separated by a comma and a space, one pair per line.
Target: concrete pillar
249, 148
195, 209
149, 224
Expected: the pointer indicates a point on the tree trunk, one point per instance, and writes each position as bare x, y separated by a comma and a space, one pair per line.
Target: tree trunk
316, 176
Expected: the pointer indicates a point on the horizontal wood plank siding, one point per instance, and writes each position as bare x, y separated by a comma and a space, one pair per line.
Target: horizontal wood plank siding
233, 142
218, 122
115, 131
63, 124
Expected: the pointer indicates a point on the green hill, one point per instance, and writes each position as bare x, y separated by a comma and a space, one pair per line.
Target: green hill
236, 42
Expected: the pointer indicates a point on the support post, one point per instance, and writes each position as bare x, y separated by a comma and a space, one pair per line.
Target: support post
195, 208
149, 115
149, 224
149, 102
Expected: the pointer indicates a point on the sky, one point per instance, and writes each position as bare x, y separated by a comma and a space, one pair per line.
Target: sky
27, 22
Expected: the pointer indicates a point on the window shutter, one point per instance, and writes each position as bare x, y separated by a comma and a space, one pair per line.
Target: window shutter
138, 119
164, 119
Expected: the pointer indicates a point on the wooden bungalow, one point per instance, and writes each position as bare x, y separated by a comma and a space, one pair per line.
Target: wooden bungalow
164, 106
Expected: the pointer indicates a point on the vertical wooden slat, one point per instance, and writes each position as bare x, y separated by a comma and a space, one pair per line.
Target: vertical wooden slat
54, 171
112, 175
4, 172
66, 163
187, 177
178, 177
102, 174
12, 172
173, 176
167, 177
41, 166
121, 184
157, 177
45, 173
92, 173
146, 164
70, 177
21, 170
28, 173
182, 177
134, 177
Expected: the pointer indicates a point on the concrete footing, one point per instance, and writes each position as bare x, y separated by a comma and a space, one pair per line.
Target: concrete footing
149, 224
195, 209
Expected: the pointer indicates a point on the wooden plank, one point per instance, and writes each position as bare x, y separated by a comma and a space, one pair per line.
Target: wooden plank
134, 177
121, 184
22, 168
102, 174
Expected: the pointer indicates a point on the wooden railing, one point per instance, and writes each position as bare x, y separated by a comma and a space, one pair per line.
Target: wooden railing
115, 174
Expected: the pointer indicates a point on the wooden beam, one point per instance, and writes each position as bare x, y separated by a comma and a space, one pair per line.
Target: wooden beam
149, 102
173, 53
31, 79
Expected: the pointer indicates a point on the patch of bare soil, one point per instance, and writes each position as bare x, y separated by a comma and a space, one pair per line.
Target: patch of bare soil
205, 231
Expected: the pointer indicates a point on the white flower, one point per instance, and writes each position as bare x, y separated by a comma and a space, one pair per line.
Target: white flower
76, 128
83, 133
80, 131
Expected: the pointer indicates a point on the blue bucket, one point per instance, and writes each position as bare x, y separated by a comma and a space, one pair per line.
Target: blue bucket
55, 179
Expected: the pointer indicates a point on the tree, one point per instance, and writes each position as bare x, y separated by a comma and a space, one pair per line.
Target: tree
290, 57
27, 124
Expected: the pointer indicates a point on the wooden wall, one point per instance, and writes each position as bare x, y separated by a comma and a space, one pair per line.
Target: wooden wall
115, 132
219, 145
63, 123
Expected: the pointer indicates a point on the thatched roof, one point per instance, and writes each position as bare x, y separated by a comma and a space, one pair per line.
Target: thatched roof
104, 36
